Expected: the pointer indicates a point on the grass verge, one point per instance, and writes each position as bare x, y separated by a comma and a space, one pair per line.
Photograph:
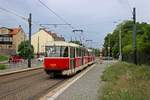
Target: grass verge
2, 66
124, 81
3, 58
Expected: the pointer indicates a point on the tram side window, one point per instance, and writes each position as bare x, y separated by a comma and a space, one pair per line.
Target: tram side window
80, 52
77, 52
72, 52
83, 52
64, 52
86, 53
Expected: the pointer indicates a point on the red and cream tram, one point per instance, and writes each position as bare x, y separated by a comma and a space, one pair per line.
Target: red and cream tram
66, 58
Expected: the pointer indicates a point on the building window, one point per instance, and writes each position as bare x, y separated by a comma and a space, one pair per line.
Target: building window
10, 46
1, 39
6, 39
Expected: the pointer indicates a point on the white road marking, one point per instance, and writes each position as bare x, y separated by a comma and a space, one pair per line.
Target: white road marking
53, 97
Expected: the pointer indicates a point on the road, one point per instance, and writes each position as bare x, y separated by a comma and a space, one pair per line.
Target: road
86, 85
29, 85
32, 85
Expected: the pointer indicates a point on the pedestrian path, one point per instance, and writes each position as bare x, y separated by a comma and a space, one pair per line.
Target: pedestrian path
19, 66
87, 87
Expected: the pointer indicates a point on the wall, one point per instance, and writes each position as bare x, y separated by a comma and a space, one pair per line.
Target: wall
41, 38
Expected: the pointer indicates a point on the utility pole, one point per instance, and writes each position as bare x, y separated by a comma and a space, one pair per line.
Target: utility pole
30, 24
120, 41
134, 35
108, 46
38, 48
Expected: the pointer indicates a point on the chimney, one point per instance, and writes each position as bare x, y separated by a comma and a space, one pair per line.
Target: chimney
19, 26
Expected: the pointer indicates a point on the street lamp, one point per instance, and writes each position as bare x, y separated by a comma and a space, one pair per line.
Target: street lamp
120, 42
108, 51
120, 46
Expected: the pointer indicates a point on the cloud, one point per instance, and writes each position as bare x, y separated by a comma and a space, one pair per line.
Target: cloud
96, 17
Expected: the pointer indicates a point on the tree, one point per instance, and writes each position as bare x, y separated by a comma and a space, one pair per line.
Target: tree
143, 41
25, 51
96, 52
108, 43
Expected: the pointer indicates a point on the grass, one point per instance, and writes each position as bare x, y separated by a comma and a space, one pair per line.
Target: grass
2, 66
124, 81
3, 58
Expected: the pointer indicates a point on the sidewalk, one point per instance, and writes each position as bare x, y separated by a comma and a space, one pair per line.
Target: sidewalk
18, 66
87, 87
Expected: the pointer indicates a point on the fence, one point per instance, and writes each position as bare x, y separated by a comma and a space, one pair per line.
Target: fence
142, 58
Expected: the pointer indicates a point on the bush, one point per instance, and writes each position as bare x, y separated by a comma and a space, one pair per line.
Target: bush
24, 50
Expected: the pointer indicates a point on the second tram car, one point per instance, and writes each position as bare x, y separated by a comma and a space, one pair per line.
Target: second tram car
66, 58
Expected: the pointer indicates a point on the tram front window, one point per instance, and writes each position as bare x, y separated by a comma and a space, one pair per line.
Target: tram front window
57, 51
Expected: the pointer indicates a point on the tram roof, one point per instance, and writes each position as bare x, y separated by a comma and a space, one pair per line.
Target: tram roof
61, 43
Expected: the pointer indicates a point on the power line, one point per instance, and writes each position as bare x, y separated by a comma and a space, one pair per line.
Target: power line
18, 15
14, 13
129, 5
55, 14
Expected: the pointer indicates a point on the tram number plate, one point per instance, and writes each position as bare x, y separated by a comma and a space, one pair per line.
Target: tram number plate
53, 65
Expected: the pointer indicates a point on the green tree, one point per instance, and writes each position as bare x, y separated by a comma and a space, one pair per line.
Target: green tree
143, 41
96, 52
25, 51
108, 43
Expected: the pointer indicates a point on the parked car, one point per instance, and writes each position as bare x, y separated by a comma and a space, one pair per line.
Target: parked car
15, 58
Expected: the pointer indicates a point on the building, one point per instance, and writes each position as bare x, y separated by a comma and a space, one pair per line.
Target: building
40, 38
10, 38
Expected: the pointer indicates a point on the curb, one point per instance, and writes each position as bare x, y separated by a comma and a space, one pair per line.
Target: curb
19, 71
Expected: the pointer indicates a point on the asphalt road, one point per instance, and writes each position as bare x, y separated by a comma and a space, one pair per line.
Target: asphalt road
29, 85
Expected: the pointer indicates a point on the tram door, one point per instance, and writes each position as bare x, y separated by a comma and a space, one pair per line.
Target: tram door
72, 59
82, 53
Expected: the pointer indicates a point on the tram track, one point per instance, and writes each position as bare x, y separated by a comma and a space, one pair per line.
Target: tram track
27, 86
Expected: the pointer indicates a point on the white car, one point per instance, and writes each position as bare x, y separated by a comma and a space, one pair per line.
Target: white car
40, 58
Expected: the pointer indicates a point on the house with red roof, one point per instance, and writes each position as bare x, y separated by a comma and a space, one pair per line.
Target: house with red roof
10, 38
40, 38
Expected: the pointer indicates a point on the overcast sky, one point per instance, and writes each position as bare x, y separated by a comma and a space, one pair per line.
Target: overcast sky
95, 17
